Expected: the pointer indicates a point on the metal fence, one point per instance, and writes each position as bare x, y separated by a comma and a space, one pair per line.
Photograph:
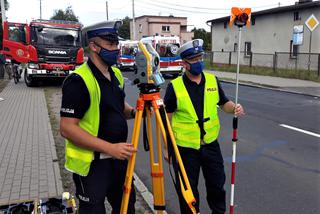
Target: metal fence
278, 60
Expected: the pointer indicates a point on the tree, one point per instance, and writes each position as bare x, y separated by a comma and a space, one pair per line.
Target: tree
124, 30
205, 36
6, 7
67, 15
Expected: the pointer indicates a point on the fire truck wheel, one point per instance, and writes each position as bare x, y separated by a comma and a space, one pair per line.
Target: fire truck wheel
28, 80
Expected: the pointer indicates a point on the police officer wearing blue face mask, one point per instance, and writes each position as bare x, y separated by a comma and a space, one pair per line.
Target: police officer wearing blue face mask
93, 122
191, 103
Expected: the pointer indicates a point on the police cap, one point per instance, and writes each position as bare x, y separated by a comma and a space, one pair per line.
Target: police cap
107, 30
191, 49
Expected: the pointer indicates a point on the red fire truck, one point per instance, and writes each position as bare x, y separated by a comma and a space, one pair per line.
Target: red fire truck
50, 48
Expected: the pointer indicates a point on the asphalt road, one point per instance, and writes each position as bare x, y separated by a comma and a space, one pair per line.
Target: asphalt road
278, 168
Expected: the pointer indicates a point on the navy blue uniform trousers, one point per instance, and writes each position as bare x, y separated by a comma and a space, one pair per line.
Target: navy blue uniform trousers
105, 180
209, 158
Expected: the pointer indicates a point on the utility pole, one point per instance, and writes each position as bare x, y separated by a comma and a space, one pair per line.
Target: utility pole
3, 12
133, 23
107, 10
40, 10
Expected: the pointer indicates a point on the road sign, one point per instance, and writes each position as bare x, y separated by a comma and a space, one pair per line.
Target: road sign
312, 22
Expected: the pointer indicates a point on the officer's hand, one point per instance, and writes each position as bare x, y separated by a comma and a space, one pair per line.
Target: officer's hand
122, 151
238, 110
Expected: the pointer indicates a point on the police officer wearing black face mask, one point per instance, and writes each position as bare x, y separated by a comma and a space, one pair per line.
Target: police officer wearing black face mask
93, 122
191, 103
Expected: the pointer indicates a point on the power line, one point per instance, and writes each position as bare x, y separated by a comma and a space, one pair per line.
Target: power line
171, 8
123, 6
194, 8
181, 7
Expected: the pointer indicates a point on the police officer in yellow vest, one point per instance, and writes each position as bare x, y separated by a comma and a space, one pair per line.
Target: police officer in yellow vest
191, 103
93, 122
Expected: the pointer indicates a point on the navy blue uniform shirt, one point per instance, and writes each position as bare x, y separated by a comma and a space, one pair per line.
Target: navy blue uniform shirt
196, 93
76, 101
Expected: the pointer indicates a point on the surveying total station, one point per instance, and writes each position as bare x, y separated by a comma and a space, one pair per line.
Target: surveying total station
148, 80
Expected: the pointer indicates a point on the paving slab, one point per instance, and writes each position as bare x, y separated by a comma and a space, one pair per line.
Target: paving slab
28, 167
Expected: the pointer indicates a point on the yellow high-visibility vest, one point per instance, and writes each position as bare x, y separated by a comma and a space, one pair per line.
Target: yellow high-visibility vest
184, 120
78, 160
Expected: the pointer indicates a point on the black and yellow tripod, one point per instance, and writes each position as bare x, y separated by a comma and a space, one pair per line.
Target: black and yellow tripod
150, 98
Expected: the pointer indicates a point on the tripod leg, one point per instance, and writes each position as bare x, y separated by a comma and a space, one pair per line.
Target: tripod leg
131, 162
156, 168
183, 179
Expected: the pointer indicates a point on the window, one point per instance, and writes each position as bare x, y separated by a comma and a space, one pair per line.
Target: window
253, 20
235, 47
165, 28
247, 49
296, 16
225, 24
17, 33
55, 36
293, 50
140, 28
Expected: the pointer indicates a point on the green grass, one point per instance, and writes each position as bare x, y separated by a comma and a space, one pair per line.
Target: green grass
265, 71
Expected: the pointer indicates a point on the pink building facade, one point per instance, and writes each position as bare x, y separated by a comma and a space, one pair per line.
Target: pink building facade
161, 26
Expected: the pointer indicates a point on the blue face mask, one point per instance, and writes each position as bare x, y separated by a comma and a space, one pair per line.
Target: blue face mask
196, 68
109, 57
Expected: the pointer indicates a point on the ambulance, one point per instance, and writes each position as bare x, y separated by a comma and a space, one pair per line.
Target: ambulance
167, 48
128, 50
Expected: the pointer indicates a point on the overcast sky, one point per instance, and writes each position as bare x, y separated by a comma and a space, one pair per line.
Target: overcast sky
91, 11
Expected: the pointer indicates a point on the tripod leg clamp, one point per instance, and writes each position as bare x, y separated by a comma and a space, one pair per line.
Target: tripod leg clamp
156, 174
126, 189
158, 207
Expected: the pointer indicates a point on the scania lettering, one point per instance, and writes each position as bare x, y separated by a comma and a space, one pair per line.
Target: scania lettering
57, 52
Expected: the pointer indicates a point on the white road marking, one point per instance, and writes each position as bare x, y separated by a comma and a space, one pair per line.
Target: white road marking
300, 130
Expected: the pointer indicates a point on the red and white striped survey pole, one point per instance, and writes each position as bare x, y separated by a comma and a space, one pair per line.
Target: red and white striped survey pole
240, 17
233, 166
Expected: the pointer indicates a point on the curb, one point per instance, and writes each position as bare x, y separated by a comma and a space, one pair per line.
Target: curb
146, 195
269, 87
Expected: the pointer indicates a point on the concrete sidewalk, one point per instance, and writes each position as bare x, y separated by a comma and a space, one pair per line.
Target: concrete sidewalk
284, 84
28, 161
